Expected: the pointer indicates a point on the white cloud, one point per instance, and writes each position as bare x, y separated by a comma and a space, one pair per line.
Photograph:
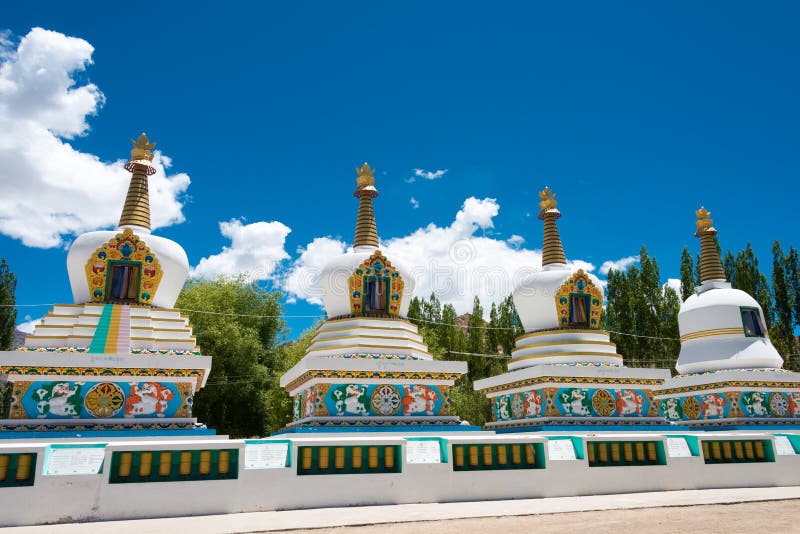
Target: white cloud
48, 190
515, 240
256, 251
427, 175
302, 277
618, 265
674, 283
29, 324
414, 203
456, 262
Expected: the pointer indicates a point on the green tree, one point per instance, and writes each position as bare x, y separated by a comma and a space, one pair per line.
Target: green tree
8, 312
749, 278
493, 331
688, 279
793, 279
451, 337
241, 334
279, 403
511, 328
414, 311
729, 264
782, 331
642, 314
8, 322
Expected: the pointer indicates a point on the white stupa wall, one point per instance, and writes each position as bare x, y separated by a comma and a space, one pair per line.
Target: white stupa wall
171, 256
712, 333
334, 281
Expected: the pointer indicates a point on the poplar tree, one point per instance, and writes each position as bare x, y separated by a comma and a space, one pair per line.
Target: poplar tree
8, 312
793, 276
688, 279
749, 278
8, 323
638, 303
782, 331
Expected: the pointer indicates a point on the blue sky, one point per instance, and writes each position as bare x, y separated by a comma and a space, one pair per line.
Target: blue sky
634, 113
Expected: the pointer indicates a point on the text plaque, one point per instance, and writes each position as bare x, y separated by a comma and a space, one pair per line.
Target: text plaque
783, 446
75, 461
265, 455
423, 452
560, 449
678, 448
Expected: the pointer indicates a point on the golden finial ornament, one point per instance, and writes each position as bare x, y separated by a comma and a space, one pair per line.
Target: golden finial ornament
548, 200
366, 176
704, 222
552, 249
142, 149
710, 261
366, 229
136, 210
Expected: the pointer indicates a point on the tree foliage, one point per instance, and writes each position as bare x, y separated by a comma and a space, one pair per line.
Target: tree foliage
689, 279
638, 303
474, 342
245, 361
8, 322
8, 313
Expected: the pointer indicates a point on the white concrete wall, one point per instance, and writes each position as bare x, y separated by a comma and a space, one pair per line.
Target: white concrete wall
91, 497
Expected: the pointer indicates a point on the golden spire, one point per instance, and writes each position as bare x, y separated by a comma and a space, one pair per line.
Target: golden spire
710, 262
136, 211
552, 249
366, 229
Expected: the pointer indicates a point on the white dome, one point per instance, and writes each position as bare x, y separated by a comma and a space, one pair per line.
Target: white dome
171, 258
713, 336
334, 281
535, 297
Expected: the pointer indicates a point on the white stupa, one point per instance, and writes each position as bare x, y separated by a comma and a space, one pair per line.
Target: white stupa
565, 369
368, 365
119, 357
730, 373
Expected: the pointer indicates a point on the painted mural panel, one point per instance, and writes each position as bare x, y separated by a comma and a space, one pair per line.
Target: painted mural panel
372, 400
573, 402
100, 400
748, 404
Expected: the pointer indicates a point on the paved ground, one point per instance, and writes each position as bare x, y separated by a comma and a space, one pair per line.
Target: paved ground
770, 516
771, 509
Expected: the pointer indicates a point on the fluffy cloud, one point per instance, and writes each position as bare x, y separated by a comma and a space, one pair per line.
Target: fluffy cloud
427, 175
515, 240
256, 251
618, 265
300, 280
456, 261
49, 190
29, 324
414, 203
674, 283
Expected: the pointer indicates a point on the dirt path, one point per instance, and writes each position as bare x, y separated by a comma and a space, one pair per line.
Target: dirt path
771, 516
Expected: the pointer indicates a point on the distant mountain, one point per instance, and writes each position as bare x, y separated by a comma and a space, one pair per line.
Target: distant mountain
19, 339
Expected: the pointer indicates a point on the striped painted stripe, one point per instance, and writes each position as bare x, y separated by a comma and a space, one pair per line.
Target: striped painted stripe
712, 333
98, 344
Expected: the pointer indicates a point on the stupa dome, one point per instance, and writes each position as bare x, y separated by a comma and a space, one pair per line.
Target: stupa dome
535, 297
338, 286
364, 282
559, 307
721, 327
129, 265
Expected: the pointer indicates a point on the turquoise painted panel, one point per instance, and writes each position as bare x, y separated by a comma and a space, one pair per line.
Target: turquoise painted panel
573, 402
749, 404
104, 400
371, 400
